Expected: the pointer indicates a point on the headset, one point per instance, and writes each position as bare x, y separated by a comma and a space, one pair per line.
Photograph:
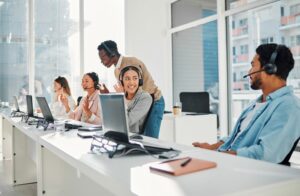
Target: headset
270, 67
95, 79
134, 68
110, 53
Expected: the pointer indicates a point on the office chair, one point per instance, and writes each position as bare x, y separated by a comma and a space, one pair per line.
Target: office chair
197, 102
286, 160
78, 100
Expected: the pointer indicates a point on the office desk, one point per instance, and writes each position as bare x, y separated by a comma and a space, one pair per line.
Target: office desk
66, 167
20, 147
186, 129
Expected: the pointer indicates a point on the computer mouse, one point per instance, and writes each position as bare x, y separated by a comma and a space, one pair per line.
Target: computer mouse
138, 137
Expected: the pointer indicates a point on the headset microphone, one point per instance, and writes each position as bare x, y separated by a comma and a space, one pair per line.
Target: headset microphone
245, 76
88, 88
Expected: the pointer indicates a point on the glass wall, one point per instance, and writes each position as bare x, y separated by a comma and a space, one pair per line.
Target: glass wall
56, 45
277, 22
185, 11
101, 25
238, 3
13, 50
195, 66
195, 51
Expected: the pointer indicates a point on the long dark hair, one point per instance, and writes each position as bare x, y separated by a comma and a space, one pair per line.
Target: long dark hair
64, 84
95, 78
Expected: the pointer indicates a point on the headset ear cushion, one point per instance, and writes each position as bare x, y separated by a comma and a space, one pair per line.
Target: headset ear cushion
270, 68
141, 82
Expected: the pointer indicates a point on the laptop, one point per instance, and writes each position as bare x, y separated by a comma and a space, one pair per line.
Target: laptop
45, 109
17, 112
115, 124
16, 104
50, 119
30, 112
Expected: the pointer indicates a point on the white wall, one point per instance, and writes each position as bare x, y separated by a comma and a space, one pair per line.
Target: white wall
146, 37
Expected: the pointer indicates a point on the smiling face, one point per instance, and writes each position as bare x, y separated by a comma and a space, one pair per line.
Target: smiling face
130, 82
256, 79
87, 82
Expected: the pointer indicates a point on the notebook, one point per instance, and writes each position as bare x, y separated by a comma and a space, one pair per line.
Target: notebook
115, 123
182, 166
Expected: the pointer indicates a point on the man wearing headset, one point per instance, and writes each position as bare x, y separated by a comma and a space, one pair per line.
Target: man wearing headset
270, 126
109, 55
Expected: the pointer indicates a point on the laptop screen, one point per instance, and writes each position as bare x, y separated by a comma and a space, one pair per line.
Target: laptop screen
16, 104
45, 109
113, 109
29, 105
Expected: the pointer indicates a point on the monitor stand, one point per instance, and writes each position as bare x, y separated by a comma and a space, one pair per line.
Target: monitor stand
117, 136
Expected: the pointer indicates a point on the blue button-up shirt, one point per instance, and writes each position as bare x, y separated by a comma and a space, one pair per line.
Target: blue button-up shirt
273, 130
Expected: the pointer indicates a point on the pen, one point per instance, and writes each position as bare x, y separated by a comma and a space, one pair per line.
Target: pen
185, 162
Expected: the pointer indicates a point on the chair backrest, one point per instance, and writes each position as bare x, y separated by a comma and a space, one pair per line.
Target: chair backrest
195, 102
78, 100
286, 160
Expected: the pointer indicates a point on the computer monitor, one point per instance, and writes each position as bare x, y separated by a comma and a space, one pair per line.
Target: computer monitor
115, 125
114, 117
29, 106
16, 103
45, 109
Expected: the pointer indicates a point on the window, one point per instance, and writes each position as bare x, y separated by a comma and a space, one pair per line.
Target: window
243, 22
56, 45
295, 9
267, 23
13, 50
195, 62
185, 11
230, 4
266, 40
100, 25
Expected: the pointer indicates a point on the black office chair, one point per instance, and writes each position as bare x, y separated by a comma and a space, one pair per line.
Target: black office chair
78, 100
286, 160
197, 102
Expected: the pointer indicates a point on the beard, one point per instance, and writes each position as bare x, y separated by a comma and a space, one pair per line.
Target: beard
256, 84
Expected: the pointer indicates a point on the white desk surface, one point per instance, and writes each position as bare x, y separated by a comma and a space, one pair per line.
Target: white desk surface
183, 115
130, 175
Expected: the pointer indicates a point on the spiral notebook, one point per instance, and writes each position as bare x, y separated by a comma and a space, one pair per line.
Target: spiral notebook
182, 166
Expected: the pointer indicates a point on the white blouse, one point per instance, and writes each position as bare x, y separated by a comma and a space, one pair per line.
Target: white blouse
58, 109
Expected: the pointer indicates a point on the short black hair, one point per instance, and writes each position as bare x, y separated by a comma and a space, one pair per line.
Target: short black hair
284, 60
110, 47
95, 79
